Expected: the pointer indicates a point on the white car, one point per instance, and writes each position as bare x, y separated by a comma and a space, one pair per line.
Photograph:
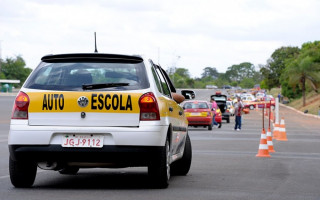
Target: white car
98, 110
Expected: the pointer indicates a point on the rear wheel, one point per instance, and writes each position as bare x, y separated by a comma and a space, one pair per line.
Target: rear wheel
228, 120
210, 127
22, 173
251, 107
159, 168
182, 166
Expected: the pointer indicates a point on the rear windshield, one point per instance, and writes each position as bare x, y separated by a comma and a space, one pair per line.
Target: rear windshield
71, 76
220, 98
196, 105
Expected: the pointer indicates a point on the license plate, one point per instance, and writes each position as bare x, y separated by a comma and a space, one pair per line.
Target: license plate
80, 140
195, 114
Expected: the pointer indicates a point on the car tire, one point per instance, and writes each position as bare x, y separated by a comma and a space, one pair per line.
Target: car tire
228, 120
272, 107
210, 127
251, 107
181, 167
22, 173
159, 168
69, 170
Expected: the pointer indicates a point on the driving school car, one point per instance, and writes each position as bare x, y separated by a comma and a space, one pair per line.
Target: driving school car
98, 110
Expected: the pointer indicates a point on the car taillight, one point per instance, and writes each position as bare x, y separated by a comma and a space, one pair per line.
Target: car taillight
149, 109
20, 107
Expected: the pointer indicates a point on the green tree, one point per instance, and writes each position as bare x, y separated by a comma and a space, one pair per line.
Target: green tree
247, 83
239, 72
14, 68
210, 72
305, 68
275, 66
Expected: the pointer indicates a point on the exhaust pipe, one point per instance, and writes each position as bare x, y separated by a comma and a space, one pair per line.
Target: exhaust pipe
48, 165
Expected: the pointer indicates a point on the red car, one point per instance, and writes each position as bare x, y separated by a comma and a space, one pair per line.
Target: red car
198, 113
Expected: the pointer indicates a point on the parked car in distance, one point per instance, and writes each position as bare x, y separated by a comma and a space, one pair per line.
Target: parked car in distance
222, 103
198, 113
249, 102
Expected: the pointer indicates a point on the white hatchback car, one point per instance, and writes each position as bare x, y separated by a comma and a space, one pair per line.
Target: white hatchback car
98, 110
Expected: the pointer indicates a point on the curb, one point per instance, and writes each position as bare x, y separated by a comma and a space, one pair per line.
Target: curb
298, 111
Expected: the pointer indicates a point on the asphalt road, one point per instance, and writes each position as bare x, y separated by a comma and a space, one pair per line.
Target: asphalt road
224, 166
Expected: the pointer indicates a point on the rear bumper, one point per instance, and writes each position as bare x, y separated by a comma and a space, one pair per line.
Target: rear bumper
199, 121
120, 155
226, 116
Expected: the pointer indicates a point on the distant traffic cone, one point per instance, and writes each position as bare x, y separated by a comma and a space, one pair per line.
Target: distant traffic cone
282, 131
269, 141
275, 131
263, 146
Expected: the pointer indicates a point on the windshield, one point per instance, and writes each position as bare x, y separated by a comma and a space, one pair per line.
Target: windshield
196, 105
72, 76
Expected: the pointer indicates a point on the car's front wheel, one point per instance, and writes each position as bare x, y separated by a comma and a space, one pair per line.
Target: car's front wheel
159, 168
251, 107
22, 173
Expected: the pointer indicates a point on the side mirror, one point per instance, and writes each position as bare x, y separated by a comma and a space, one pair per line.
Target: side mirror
188, 94
178, 97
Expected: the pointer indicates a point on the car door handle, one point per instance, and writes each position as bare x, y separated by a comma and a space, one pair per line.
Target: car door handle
170, 109
180, 112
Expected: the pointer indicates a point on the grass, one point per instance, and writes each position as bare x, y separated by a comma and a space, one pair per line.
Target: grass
312, 101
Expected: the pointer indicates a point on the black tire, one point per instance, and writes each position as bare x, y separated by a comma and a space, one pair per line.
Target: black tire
251, 107
181, 167
220, 124
228, 120
22, 173
69, 170
210, 127
159, 168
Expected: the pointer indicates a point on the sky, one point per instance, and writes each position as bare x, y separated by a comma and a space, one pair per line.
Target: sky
191, 34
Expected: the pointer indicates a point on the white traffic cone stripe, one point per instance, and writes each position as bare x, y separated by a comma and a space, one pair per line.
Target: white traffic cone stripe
263, 136
263, 146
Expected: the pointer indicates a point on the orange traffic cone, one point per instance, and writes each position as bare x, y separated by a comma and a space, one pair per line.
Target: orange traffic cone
269, 141
275, 131
282, 131
263, 146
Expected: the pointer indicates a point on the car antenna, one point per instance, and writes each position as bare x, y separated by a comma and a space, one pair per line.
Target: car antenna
95, 43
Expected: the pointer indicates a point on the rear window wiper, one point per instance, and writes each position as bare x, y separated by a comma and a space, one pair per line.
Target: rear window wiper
102, 85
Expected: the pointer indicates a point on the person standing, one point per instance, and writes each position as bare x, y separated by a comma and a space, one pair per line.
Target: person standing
237, 113
214, 108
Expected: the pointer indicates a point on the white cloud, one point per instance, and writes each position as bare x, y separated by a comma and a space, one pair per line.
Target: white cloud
202, 33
